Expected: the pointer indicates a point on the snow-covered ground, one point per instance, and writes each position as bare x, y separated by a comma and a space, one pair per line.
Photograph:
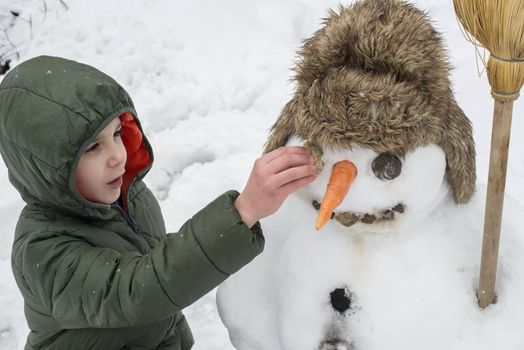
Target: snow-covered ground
208, 79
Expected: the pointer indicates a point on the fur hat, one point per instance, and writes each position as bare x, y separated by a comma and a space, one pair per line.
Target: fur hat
376, 75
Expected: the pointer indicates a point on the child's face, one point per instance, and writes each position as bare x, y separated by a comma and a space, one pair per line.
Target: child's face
100, 170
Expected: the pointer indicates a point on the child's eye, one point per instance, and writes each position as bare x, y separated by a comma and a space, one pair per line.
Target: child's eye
91, 148
117, 133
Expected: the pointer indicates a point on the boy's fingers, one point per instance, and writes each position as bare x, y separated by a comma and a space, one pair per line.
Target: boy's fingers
296, 184
287, 161
268, 157
293, 174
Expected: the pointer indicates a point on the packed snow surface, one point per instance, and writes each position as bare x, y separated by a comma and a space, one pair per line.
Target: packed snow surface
208, 79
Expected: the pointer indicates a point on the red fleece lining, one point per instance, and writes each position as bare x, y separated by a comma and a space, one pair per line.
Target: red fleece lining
138, 157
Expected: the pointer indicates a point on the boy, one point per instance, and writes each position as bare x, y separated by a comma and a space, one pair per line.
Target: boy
91, 255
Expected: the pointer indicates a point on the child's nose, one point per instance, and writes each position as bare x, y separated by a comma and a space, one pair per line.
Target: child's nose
117, 155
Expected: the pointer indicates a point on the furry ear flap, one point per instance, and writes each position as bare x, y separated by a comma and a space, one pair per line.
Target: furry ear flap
459, 146
283, 128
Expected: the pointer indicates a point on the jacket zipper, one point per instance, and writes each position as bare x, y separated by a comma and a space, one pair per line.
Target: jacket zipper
133, 225
127, 217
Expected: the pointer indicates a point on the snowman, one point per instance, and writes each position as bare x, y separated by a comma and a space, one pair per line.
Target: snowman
394, 266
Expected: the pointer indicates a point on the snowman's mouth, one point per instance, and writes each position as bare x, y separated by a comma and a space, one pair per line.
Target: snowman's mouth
349, 218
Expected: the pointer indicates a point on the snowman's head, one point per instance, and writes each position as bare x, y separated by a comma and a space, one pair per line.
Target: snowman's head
389, 191
373, 87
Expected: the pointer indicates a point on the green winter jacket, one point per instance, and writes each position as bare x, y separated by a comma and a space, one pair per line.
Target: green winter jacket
93, 276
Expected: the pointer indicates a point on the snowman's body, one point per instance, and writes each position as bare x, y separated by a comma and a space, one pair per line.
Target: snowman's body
284, 295
408, 280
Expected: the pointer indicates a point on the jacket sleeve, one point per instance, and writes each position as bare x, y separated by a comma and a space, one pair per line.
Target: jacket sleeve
84, 286
209, 247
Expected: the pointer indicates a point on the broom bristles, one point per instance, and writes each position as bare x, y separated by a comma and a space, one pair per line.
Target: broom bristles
498, 25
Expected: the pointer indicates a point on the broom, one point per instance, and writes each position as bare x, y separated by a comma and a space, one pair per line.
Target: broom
498, 26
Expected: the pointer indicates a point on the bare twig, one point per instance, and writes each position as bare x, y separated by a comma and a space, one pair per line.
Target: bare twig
64, 4
44, 10
8, 39
31, 26
9, 50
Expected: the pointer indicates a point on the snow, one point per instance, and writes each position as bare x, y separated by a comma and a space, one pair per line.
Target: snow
208, 79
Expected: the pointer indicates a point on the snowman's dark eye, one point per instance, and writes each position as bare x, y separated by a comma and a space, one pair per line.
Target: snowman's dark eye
386, 166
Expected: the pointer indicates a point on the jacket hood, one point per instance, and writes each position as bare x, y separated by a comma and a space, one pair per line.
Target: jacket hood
51, 109
376, 75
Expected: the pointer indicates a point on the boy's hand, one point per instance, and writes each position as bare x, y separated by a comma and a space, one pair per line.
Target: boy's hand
274, 176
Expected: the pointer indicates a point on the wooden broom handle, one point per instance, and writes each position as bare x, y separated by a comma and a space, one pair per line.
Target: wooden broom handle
494, 201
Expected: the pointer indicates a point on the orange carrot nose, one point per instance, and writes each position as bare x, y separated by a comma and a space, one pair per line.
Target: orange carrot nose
342, 176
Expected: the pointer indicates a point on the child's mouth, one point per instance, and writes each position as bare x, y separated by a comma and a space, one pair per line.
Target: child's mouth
117, 183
